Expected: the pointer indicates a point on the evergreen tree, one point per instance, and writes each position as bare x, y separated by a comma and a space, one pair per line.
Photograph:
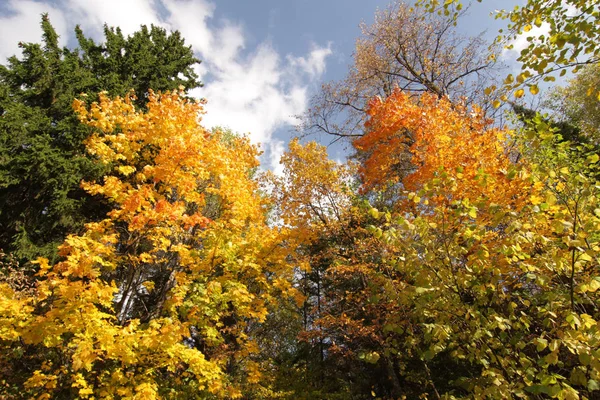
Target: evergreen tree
42, 152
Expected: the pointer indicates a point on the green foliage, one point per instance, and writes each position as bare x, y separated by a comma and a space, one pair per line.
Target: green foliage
576, 103
42, 156
564, 127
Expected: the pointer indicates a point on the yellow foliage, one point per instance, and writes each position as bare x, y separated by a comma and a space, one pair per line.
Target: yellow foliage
127, 305
313, 190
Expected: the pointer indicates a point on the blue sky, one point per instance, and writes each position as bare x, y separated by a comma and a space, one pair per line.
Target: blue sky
262, 59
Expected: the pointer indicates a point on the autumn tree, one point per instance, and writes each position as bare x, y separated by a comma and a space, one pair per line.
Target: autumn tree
458, 170
43, 158
409, 48
160, 298
311, 199
478, 281
481, 281
409, 141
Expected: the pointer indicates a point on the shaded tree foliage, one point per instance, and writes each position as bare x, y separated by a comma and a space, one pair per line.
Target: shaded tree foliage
577, 104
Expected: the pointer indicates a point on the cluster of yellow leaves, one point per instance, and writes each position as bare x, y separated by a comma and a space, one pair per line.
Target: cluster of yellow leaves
159, 295
313, 189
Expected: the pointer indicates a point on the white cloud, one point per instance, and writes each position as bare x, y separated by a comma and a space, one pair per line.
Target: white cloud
315, 63
23, 25
190, 18
255, 91
256, 95
275, 150
252, 92
126, 14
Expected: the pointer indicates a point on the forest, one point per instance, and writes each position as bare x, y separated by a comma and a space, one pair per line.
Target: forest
454, 255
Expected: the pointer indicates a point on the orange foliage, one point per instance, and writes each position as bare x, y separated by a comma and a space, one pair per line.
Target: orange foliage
413, 140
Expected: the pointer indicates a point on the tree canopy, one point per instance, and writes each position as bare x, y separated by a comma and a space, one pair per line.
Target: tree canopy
453, 257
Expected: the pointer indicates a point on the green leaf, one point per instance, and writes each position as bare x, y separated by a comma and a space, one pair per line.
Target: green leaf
585, 358
541, 344
473, 212
373, 212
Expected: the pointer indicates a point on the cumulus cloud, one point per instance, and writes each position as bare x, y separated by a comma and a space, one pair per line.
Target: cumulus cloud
314, 65
254, 91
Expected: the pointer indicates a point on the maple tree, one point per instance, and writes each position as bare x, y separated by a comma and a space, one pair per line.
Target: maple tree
159, 297
411, 141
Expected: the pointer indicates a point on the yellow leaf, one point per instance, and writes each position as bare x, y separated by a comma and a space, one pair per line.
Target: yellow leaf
126, 170
519, 93
534, 89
